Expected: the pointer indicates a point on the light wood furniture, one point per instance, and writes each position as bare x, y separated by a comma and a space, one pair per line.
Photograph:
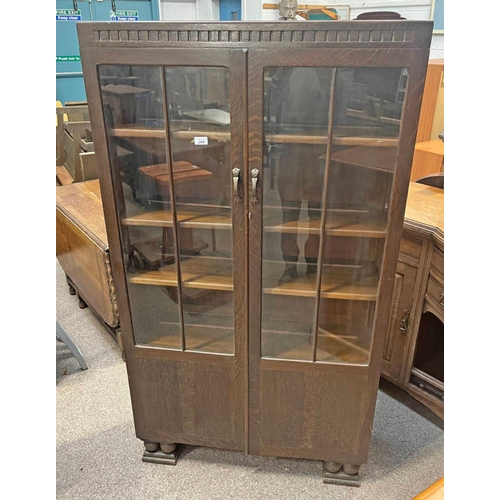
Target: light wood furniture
83, 252
429, 149
71, 125
413, 355
433, 492
428, 159
431, 121
266, 337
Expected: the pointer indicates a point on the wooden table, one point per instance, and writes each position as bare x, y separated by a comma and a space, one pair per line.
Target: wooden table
82, 250
418, 301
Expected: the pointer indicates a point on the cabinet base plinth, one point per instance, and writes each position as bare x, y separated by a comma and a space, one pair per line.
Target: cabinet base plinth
340, 477
158, 457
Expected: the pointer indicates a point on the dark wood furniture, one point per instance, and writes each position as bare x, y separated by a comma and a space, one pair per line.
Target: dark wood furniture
434, 180
414, 349
259, 324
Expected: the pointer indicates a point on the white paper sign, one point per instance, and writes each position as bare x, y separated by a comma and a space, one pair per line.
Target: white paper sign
201, 141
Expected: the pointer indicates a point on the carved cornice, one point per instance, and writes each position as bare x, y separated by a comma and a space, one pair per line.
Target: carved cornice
336, 33
215, 36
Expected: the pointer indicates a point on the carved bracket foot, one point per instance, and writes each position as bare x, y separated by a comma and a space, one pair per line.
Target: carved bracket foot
343, 474
160, 453
81, 303
72, 290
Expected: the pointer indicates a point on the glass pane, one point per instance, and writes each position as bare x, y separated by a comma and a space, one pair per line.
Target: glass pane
367, 114
133, 109
199, 126
369, 101
296, 105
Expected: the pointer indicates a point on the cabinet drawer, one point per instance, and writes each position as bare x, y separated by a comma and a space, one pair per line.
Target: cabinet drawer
437, 264
435, 293
410, 250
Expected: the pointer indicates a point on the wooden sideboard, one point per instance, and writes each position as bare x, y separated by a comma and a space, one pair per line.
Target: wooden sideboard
413, 354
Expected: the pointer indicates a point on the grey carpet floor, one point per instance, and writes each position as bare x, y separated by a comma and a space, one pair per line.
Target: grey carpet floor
99, 457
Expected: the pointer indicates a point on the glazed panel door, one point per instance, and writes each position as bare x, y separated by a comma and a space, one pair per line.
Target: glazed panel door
328, 146
173, 121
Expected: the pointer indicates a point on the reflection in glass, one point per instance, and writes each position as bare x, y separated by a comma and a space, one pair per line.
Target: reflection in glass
369, 101
133, 112
325, 212
175, 230
296, 107
199, 127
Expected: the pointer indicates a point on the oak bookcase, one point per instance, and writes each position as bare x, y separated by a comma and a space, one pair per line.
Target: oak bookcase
254, 228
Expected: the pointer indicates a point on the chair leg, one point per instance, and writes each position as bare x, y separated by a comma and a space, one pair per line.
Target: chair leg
63, 337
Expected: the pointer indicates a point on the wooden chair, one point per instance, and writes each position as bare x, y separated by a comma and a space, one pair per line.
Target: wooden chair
434, 180
72, 122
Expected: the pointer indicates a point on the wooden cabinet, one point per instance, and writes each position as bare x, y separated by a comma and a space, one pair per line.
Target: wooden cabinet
414, 349
396, 343
254, 224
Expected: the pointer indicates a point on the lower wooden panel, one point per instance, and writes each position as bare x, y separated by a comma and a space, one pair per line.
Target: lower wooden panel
188, 402
314, 415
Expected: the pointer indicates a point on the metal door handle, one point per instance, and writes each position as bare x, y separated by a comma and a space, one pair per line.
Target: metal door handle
255, 177
403, 325
236, 178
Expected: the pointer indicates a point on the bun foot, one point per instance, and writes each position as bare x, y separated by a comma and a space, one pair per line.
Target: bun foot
342, 474
167, 447
151, 447
160, 453
333, 467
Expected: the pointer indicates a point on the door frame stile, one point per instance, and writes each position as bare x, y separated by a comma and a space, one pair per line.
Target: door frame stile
171, 189
324, 198
237, 65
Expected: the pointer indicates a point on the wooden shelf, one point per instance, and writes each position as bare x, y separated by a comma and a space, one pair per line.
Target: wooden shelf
330, 348
342, 347
338, 223
317, 138
199, 338
338, 282
131, 131
135, 131
276, 345
370, 157
192, 217
342, 136
197, 272
337, 141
